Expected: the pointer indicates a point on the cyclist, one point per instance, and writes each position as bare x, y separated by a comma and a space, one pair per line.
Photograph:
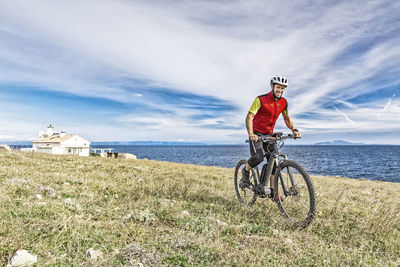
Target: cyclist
260, 120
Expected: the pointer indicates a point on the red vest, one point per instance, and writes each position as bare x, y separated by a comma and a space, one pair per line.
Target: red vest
265, 119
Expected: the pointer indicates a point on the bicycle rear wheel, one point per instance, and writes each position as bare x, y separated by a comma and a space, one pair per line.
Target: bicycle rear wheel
246, 195
294, 193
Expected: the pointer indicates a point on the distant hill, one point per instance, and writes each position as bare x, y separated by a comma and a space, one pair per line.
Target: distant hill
338, 143
135, 143
148, 143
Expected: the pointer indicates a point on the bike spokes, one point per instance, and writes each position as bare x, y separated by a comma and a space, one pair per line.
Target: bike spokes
296, 194
245, 193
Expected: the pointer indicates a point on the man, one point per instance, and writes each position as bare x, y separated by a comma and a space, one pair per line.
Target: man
260, 120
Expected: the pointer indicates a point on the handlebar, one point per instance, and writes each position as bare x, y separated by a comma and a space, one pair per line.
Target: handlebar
275, 137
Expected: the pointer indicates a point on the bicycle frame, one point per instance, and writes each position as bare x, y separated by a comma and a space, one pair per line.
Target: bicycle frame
267, 168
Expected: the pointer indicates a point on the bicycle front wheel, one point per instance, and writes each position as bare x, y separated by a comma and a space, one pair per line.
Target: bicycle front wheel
246, 195
294, 193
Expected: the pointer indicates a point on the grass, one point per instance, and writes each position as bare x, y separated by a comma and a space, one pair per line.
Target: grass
169, 214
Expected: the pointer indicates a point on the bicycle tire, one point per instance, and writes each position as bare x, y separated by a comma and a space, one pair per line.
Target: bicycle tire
246, 196
299, 204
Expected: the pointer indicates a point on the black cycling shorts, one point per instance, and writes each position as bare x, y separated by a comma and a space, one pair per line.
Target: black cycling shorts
257, 151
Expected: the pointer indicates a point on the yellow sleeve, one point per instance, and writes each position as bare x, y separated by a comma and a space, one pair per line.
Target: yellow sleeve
255, 106
285, 111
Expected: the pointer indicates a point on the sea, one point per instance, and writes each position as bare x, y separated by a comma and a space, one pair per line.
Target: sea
373, 162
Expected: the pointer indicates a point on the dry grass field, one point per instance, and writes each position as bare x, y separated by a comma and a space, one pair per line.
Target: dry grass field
169, 214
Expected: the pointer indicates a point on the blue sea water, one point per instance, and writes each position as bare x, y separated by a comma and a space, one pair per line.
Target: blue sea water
369, 162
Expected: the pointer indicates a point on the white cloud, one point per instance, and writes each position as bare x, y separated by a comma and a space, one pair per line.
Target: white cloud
387, 104
345, 116
221, 49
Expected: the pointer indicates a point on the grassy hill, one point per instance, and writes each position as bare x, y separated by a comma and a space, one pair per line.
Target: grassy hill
160, 213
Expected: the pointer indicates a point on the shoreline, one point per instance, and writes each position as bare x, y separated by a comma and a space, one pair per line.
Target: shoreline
321, 160
311, 174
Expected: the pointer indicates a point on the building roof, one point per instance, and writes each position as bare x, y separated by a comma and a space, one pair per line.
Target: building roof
6, 147
54, 139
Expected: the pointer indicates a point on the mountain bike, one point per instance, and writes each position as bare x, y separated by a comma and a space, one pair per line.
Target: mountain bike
293, 189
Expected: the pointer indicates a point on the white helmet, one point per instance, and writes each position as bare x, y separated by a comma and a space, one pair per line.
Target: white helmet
282, 80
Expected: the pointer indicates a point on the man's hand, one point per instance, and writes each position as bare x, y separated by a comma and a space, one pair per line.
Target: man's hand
296, 133
253, 137
290, 125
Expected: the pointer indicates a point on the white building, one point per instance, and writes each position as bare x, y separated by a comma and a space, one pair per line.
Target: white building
5, 147
61, 143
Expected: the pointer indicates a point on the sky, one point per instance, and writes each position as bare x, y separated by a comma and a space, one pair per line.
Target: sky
176, 70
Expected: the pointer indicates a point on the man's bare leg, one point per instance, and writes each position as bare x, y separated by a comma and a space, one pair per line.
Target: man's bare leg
248, 168
271, 179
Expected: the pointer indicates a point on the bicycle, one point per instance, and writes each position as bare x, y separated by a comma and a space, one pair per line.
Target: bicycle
293, 189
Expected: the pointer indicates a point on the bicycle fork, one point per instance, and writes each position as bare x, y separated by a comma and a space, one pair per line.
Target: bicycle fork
292, 190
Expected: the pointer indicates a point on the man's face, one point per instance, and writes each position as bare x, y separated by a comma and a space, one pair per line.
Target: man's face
278, 90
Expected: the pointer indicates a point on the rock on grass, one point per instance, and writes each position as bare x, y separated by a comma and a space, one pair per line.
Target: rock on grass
135, 254
94, 254
22, 258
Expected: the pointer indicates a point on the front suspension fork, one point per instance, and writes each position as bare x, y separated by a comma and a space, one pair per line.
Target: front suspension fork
292, 182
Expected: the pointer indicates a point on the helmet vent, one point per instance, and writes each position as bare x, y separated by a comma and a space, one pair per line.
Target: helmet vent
282, 80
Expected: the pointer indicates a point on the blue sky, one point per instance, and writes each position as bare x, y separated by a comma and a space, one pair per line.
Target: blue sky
189, 70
